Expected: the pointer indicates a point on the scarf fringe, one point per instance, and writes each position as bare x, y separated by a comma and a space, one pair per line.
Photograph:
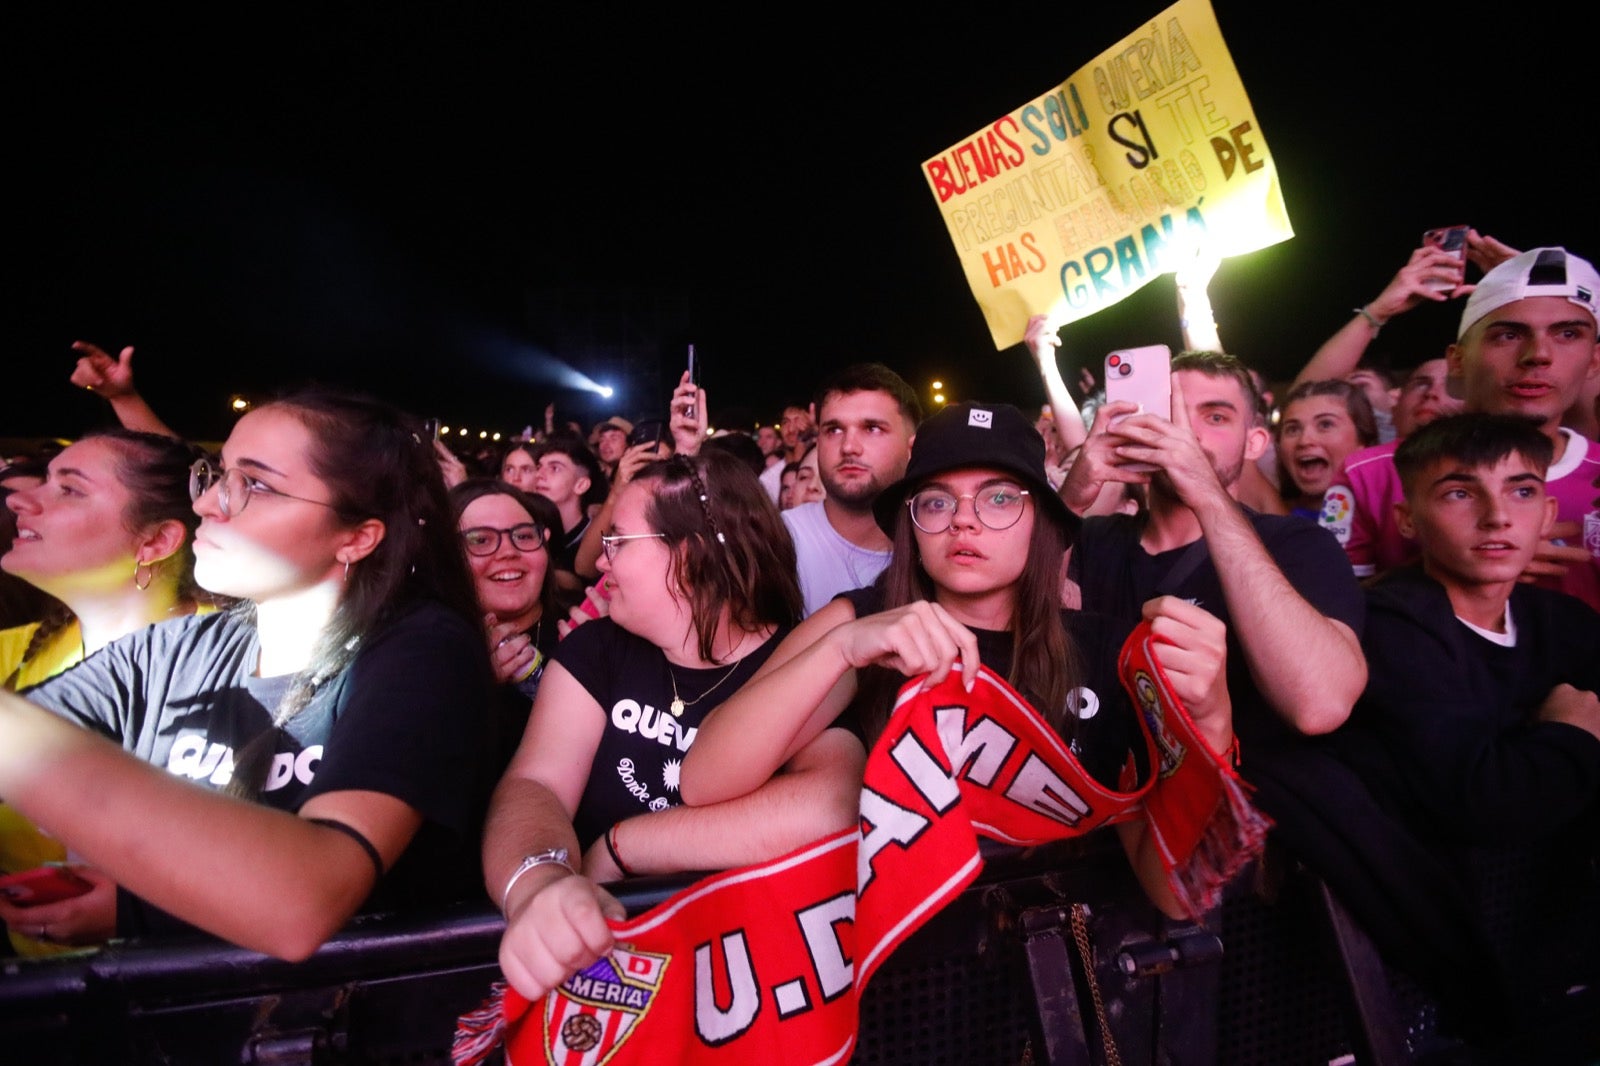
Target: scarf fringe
1235, 836
481, 1030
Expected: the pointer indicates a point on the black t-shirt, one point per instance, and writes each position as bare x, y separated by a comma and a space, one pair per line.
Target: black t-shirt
408, 717
1104, 730
1117, 576
513, 700
641, 750
565, 557
1447, 733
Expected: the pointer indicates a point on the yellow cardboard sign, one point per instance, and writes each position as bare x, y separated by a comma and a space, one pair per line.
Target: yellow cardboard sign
1079, 197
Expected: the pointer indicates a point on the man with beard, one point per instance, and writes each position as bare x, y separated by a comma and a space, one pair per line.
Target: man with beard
867, 417
1281, 584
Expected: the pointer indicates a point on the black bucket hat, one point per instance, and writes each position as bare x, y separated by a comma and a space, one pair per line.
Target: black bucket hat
995, 435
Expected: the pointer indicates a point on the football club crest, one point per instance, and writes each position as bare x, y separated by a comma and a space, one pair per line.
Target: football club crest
1144, 690
587, 1020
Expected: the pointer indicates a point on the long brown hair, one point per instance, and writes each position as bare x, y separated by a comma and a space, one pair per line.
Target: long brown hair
729, 547
377, 462
1045, 664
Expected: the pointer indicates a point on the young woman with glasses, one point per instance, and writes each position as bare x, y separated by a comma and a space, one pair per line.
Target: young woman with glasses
504, 532
700, 574
266, 771
979, 542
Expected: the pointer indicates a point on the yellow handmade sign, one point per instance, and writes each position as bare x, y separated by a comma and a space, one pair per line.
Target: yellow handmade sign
1144, 157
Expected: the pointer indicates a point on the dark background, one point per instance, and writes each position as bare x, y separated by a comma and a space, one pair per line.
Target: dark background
429, 201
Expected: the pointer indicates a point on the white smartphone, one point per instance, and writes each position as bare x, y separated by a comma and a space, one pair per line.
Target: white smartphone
1451, 239
1141, 376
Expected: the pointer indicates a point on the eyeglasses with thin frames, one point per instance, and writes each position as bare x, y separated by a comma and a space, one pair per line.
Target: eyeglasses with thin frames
610, 542
235, 488
997, 507
486, 540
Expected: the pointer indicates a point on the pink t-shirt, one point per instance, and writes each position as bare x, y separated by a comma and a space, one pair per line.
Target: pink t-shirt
1358, 509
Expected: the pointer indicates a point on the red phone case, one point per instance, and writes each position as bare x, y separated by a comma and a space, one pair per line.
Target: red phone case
42, 884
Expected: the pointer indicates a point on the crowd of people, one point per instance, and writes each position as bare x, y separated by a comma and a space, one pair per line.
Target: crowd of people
337, 667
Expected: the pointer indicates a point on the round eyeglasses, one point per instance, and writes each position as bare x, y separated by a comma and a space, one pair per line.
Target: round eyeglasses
235, 488
485, 540
997, 506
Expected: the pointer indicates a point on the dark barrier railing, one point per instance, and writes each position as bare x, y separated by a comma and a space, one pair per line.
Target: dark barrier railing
997, 977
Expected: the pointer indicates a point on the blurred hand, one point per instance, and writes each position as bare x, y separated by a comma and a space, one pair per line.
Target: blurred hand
594, 606
1574, 706
1486, 253
1171, 445
1043, 338
687, 416
635, 457
450, 466
1551, 560
555, 932
81, 921
919, 638
1097, 462
99, 373
1431, 274
511, 651
1192, 650
1194, 276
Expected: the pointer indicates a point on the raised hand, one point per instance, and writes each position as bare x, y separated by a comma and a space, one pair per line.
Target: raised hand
102, 375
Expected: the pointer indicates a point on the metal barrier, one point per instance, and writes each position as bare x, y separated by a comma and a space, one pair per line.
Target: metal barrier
997, 977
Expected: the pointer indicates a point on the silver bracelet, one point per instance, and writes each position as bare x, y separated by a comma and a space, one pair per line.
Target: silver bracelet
1372, 319
548, 857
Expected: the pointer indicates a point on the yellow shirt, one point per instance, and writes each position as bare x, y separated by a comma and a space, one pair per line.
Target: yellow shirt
22, 845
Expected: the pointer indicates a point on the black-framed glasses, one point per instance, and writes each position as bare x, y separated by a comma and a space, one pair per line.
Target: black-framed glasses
610, 542
997, 506
235, 488
485, 540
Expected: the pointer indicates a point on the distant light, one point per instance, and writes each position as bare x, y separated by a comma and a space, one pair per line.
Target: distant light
495, 437
938, 385
463, 431
483, 434
606, 391
444, 429
938, 397
239, 404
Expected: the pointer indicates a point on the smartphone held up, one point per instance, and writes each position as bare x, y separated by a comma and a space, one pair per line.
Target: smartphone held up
1450, 239
694, 379
1141, 376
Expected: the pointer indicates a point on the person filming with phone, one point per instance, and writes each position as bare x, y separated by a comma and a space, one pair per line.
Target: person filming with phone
1292, 608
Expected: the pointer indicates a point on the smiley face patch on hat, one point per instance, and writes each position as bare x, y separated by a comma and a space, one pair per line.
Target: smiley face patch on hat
977, 416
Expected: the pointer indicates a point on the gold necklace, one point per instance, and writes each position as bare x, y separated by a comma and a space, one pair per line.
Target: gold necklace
677, 706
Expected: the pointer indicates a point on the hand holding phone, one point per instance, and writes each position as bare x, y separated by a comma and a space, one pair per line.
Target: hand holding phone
650, 431
1450, 239
1141, 376
694, 379
50, 883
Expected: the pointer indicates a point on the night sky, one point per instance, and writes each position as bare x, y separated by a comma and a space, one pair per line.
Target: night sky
429, 201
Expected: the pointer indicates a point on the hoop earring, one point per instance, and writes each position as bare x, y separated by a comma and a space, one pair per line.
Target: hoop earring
150, 574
